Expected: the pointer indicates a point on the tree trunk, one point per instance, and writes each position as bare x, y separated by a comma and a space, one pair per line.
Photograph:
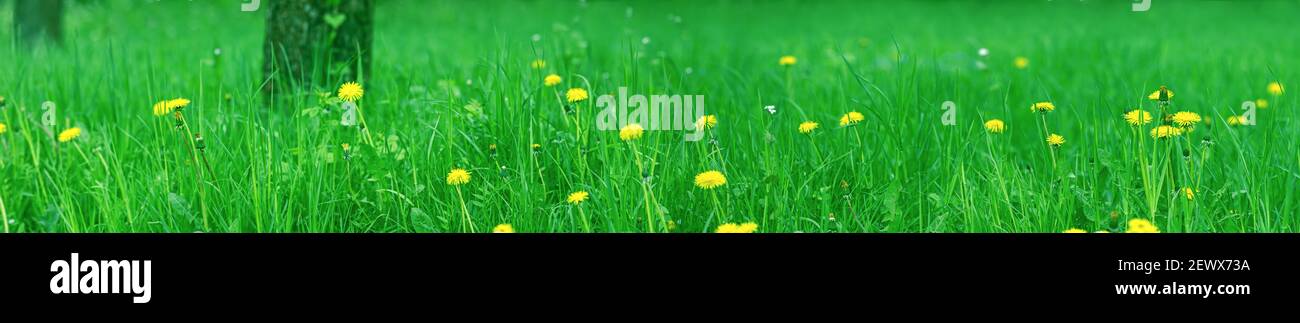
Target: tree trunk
317, 44
38, 20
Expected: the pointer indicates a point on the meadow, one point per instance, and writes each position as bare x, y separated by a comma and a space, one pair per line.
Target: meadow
463, 133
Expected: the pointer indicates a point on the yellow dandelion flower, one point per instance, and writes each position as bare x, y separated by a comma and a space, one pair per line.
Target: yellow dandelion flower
788, 60
1022, 62
165, 107
161, 108
1189, 193
995, 126
576, 94
1236, 120
710, 180
1076, 230
706, 122
1157, 95
551, 80
538, 64
504, 228
1163, 132
1261, 103
1137, 117
807, 127
576, 198
537, 146
1186, 119
1275, 88
1141, 226
1042, 107
727, 228
70, 134
1055, 140
3, 128
631, 132
747, 227
351, 92
851, 118
179, 103
457, 177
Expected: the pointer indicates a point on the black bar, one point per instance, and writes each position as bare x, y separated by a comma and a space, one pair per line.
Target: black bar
377, 270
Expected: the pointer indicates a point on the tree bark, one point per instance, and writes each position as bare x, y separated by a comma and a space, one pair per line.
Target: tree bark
38, 20
317, 43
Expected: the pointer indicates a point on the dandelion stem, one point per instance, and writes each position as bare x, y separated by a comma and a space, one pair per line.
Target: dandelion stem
1048, 133
586, 225
465, 211
645, 188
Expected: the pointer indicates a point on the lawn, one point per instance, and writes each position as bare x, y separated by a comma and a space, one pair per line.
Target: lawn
901, 92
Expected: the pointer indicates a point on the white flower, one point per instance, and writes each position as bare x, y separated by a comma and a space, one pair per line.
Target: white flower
771, 109
984, 52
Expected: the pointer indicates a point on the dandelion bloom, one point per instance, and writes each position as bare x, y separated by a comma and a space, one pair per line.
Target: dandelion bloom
551, 80
164, 107
807, 127
710, 180
706, 122
457, 177
1042, 107
537, 146
1235, 120
747, 227
1275, 88
1076, 230
631, 132
1261, 103
504, 228
351, 92
1155, 96
1022, 62
788, 60
851, 118
1055, 140
577, 197
1137, 117
1163, 132
1141, 226
3, 128
576, 94
995, 126
70, 134
1189, 193
1186, 119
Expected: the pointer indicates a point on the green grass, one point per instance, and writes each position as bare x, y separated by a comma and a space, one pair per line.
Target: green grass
277, 165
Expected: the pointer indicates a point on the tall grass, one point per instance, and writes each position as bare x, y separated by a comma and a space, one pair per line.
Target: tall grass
453, 88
